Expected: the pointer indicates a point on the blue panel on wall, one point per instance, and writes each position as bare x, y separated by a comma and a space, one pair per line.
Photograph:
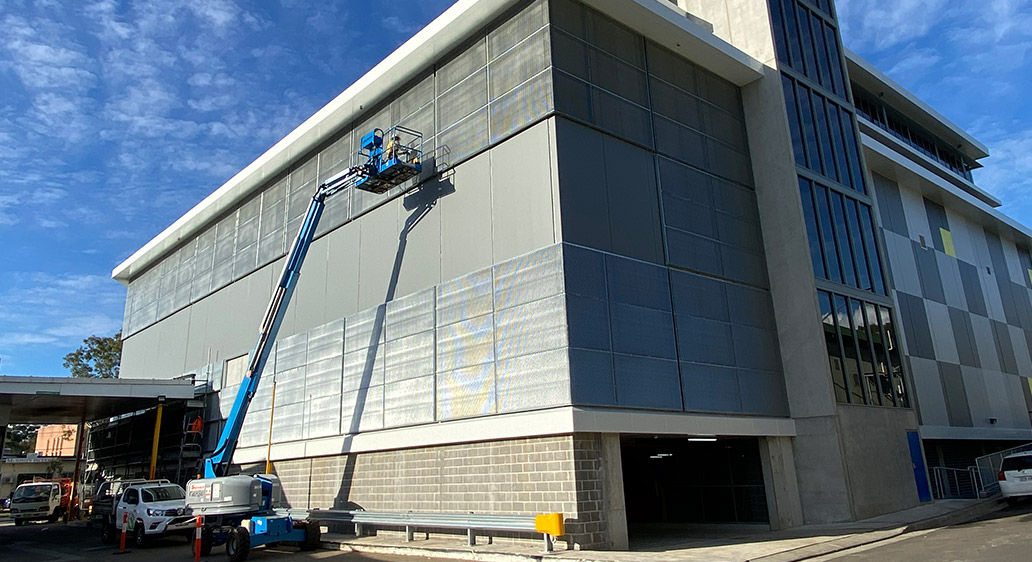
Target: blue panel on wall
591, 377
643, 382
709, 388
642, 331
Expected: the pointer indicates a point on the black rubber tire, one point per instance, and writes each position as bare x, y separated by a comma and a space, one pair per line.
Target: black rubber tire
238, 544
19, 522
140, 535
207, 540
1012, 501
313, 536
107, 533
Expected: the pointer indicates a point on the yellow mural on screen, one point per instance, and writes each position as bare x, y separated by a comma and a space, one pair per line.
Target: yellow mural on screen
947, 242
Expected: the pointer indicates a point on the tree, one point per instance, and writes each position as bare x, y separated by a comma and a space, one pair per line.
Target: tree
97, 358
21, 438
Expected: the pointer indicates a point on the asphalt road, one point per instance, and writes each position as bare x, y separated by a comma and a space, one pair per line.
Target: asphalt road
1003, 536
41, 542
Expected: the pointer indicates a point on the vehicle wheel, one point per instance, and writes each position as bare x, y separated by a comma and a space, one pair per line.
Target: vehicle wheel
19, 522
313, 535
207, 540
107, 533
1012, 501
140, 537
238, 544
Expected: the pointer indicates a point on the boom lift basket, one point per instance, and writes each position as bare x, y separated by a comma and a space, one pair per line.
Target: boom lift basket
393, 164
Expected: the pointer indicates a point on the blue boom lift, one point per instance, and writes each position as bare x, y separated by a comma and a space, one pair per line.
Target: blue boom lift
240, 511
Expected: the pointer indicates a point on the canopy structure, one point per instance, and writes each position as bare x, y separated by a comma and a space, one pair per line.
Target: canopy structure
49, 400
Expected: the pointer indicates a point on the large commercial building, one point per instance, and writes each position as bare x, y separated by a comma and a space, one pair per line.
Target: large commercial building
667, 262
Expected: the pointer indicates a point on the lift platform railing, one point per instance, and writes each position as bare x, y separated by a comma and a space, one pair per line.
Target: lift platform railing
471, 522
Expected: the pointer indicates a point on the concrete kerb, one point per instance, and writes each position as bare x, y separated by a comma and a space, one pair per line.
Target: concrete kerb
823, 547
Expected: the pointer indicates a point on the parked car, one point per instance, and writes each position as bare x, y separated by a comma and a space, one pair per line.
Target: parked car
102, 505
46, 499
1015, 476
5, 503
152, 510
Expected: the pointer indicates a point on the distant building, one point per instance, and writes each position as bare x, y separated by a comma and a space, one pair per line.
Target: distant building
56, 440
702, 266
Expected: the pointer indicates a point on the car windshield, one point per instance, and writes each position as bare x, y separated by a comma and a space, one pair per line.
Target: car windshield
1023, 462
38, 492
162, 493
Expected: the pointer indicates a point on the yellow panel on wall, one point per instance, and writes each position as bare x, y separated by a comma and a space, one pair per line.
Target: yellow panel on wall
947, 242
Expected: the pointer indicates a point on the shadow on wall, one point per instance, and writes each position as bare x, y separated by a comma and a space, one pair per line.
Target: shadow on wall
419, 203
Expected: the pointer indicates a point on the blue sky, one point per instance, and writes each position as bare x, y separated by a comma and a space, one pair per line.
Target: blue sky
116, 117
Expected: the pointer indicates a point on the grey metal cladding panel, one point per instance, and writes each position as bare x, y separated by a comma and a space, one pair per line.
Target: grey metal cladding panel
530, 328
1010, 306
1004, 347
743, 266
942, 332
322, 416
928, 271
967, 350
466, 392
735, 200
290, 386
363, 369
569, 54
326, 341
364, 330
419, 265
361, 410
700, 296
763, 392
680, 142
931, 401
614, 38
466, 297
533, 381
467, 96
724, 127
410, 315
378, 253
691, 184
969, 277
956, 395
582, 186
324, 377
719, 92
520, 63
985, 343
915, 325
739, 233
890, 205
645, 382
584, 272
694, 252
999, 259
291, 352
465, 343
529, 277
419, 95
936, 220
463, 139
670, 67
642, 331
408, 402
709, 388
517, 27
521, 106
750, 307
618, 77
571, 97
462, 65
466, 220
288, 422
521, 187
756, 348
409, 357
309, 303
636, 283
591, 378
621, 118
675, 104
704, 341
949, 273
588, 321
689, 216
727, 162
976, 386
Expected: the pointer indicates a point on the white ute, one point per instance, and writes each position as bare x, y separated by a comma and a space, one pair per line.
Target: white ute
153, 510
1016, 476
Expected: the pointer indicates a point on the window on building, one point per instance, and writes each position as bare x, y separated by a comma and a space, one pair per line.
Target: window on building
234, 373
840, 231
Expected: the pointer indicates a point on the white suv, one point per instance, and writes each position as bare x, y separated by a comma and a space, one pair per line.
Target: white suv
154, 509
1015, 476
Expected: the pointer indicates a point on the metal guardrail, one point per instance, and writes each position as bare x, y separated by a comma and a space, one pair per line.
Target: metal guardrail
471, 522
989, 465
955, 483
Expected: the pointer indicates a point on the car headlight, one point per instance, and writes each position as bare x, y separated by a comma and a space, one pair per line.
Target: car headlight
155, 512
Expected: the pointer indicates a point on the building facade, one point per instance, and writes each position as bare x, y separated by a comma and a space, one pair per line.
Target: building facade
667, 263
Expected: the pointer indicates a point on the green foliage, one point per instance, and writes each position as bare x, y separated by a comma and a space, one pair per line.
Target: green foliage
55, 468
97, 358
21, 438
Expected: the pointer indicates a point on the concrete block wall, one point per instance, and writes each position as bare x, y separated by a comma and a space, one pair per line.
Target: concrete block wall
563, 473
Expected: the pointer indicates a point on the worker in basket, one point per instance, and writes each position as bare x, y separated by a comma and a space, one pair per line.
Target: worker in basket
392, 148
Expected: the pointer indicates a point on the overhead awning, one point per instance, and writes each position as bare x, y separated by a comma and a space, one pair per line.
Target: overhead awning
67, 400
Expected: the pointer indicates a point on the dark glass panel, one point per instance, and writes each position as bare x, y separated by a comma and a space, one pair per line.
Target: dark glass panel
831, 340
853, 150
839, 142
828, 234
793, 120
813, 158
888, 327
823, 69
867, 225
881, 362
778, 24
845, 252
856, 239
851, 366
820, 111
868, 374
838, 77
806, 41
792, 27
812, 233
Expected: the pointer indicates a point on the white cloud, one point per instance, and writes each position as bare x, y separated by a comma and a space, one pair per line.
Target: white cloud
880, 25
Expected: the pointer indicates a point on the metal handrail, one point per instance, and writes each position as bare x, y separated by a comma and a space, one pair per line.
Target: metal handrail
471, 522
953, 483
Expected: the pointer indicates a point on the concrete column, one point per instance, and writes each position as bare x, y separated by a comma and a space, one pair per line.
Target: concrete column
779, 480
613, 492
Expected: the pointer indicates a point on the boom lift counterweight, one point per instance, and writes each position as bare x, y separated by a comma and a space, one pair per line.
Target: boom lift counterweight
240, 511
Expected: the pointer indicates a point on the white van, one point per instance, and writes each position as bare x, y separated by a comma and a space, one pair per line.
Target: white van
37, 500
1016, 476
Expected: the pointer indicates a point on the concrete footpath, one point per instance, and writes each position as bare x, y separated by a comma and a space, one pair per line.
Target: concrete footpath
691, 543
